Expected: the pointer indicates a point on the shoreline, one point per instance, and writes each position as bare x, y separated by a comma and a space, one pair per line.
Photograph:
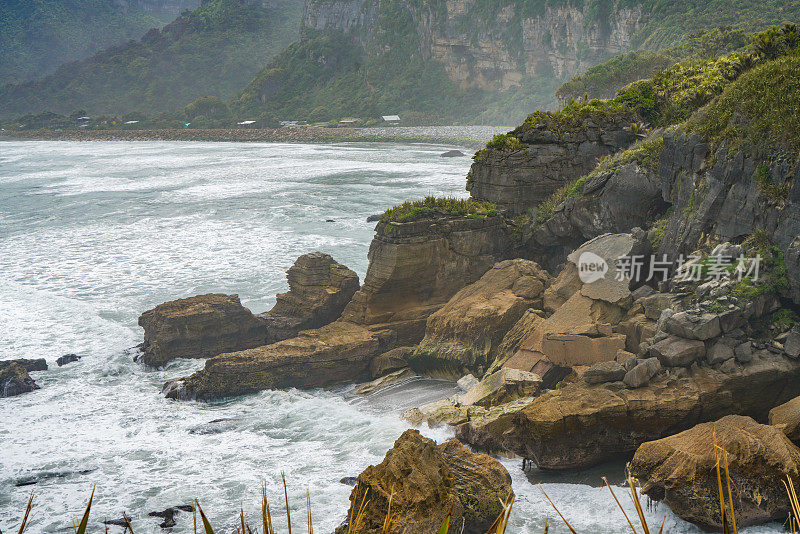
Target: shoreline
271, 135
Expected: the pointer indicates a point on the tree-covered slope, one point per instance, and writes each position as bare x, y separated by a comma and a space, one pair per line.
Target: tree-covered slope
487, 61
37, 36
213, 50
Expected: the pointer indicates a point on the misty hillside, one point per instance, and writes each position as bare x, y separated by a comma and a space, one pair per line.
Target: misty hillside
37, 36
213, 50
482, 62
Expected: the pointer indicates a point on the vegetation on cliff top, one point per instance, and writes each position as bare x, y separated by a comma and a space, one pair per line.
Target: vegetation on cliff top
605, 79
760, 108
433, 207
214, 50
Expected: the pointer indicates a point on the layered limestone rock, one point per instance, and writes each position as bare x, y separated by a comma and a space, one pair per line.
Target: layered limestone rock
466, 333
521, 178
319, 290
30, 365
425, 482
681, 470
581, 425
15, 380
415, 268
199, 327
581, 329
336, 353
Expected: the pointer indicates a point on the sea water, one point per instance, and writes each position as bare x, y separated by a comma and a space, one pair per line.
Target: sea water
93, 234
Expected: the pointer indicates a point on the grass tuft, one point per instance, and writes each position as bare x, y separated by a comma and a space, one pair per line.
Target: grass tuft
433, 207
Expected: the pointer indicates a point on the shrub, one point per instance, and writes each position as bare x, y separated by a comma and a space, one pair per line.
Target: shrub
432, 207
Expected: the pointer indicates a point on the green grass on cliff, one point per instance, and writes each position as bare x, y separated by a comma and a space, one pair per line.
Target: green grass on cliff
433, 207
760, 108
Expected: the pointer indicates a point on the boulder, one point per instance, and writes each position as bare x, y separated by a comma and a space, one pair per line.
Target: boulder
501, 387
390, 361
444, 411
334, 354
792, 344
787, 418
426, 481
654, 304
614, 286
199, 327
602, 372
636, 329
30, 365
452, 154
14, 380
721, 351
678, 352
580, 425
566, 284
553, 339
681, 470
641, 374
466, 332
67, 358
319, 290
693, 325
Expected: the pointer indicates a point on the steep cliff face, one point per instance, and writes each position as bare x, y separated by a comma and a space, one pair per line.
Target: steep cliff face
493, 45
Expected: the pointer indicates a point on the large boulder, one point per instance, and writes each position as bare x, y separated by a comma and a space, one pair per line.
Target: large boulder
319, 290
199, 327
425, 481
14, 380
467, 331
681, 470
787, 418
334, 354
676, 351
581, 425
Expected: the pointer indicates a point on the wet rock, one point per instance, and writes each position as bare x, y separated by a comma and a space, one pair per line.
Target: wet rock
426, 481
392, 379
30, 365
349, 481
466, 332
642, 373
787, 418
600, 373
375, 218
501, 387
467, 382
67, 358
681, 470
168, 515
14, 380
678, 352
390, 361
581, 425
199, 327
693, 326
334, 354
719, 352
319, 289
452, 154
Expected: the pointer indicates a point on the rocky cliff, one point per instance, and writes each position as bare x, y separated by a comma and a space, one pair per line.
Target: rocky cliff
494, 45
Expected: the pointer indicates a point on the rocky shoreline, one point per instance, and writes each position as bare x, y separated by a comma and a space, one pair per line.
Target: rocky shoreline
251, 135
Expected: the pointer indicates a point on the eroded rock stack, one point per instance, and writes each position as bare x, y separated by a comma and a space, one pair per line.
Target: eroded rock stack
426, 481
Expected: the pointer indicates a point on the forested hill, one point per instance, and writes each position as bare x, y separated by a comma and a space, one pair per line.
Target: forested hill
37, 36
214, 50
486, 61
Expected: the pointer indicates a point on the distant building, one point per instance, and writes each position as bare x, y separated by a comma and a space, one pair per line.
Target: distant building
287, 124
393, 119
131, 122
347, 123
246, 123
